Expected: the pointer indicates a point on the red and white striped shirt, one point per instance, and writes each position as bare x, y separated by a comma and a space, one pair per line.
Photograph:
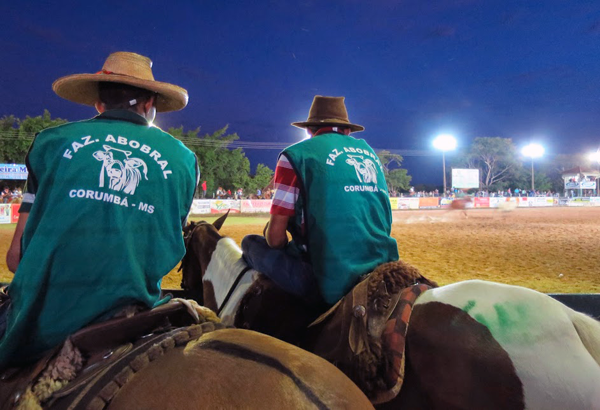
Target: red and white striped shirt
286, 186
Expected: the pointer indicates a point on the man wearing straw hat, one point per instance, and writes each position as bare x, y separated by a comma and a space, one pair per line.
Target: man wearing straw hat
331, 196
100, 223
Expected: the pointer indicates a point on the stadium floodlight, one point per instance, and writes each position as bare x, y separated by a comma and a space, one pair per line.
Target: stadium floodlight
532, 151
444, 142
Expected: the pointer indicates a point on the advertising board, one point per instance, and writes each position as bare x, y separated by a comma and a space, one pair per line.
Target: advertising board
200, 206
394, 203
481, 202
13, 171
5, 213
429, 202
14, 215
221, 206
255, 205
445, 202
408, 203
465, 178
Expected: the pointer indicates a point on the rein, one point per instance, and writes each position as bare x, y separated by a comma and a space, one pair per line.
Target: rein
232, 288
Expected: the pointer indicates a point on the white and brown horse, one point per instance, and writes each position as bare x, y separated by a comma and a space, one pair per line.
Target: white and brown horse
469, 345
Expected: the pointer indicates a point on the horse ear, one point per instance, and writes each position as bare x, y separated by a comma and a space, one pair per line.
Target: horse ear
219, 222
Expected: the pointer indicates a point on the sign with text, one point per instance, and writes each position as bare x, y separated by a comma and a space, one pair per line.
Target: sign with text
200, 206
256, 205
221, 206
13, 171
465, 178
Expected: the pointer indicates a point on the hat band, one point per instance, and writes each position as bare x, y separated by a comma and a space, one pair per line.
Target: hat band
104, 72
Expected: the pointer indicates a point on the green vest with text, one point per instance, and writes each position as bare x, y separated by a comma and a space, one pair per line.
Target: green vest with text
346, 208
104, 228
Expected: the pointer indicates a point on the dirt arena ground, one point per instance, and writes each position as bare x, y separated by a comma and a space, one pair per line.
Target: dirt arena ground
554, 250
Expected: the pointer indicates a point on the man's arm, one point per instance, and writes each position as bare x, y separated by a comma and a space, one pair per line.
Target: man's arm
276, 231
13, 257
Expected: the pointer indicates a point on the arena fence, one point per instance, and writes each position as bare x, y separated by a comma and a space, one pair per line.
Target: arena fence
9, 213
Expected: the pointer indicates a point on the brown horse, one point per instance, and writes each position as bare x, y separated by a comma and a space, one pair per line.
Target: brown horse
202, 366
460, 204
474, 344
235, 369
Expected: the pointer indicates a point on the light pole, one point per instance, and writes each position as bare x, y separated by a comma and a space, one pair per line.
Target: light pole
533, 151
444, 142
595, 157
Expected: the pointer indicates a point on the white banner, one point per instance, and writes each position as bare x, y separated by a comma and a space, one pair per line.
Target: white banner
5, 213
221, 206
200, 206
256, 205
465, 178
408, 203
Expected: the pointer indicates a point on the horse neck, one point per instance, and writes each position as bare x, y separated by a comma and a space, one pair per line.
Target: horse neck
225, 265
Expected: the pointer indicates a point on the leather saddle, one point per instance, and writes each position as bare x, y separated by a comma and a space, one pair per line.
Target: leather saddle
364, 333
100, 344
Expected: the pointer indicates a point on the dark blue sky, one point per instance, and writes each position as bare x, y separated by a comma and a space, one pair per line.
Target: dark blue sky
528, 70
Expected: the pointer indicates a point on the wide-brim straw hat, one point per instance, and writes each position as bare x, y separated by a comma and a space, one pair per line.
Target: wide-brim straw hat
125, 68
328, 111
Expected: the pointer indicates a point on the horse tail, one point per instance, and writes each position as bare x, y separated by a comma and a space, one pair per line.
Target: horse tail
588, 330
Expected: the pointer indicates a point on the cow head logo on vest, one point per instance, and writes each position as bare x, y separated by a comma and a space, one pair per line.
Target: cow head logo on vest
365, 168
122, 171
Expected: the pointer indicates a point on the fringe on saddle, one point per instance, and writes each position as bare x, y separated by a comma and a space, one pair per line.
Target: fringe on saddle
57, 374
364, 333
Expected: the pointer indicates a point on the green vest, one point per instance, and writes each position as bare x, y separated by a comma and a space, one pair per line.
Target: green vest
346, 208
104, 228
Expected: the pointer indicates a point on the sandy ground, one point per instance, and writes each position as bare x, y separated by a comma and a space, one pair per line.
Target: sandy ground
530, 247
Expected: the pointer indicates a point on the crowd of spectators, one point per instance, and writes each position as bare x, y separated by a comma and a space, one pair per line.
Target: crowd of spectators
8, 196
221, 193
482, 193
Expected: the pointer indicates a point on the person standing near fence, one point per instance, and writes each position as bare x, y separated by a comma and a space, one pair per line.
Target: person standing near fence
337, 237
101, 219
203, 189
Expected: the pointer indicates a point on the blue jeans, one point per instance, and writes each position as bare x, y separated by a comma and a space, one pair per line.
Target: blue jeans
289, 270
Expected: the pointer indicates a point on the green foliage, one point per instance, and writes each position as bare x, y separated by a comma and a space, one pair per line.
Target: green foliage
16, 135
396, 178
261, 178
219, 165
387, 159
495, 157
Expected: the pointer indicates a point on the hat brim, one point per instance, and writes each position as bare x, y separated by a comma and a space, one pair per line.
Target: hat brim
353, 127
83, 89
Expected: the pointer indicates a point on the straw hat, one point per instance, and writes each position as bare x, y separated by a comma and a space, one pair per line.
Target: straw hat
328, 111
125, 68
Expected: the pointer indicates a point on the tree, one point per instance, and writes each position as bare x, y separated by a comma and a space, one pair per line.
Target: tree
220, 166
495, 157
261, 178
396, 178
16, 135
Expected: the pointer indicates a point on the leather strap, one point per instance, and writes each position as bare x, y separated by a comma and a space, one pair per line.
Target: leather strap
232, 288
